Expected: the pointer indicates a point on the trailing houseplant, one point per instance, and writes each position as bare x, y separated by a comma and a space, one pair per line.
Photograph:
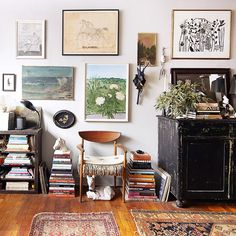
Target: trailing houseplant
180, 99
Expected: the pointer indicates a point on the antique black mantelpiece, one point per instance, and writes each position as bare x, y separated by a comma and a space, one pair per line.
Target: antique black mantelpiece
200, 156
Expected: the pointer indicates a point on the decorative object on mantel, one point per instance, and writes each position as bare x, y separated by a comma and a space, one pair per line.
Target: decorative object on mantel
139, 81
64, 119
180, 99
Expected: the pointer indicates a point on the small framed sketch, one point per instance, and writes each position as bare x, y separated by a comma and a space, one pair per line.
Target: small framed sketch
90, 32
30, 36
147, 47
106, 94
201, 34
9, 82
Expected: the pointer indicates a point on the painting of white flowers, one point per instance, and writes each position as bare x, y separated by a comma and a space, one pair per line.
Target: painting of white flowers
106, 95
201, 34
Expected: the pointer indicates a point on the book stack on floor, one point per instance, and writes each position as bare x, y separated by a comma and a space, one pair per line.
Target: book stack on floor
140, 184
208, 111
61, 181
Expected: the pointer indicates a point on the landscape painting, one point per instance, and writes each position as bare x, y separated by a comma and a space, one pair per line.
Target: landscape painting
106, 95
47, 83
147, 47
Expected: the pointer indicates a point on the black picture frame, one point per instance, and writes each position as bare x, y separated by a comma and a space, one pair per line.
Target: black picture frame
90, 32
64, 119
9, 82
203, 76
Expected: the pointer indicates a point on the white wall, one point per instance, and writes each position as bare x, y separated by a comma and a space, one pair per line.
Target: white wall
135, 16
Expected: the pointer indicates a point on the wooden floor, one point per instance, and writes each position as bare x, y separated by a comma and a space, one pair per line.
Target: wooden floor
17, 210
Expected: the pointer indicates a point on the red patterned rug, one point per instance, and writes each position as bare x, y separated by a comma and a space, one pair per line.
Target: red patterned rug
74, 224
179, 223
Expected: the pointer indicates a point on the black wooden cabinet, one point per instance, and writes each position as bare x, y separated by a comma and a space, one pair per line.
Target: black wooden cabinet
200, 156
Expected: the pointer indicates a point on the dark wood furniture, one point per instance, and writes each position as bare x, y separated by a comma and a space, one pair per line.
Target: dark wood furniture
200, 156
34, 140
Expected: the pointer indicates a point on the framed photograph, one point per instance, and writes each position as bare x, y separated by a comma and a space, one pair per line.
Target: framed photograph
211, 81
147, 47
47, 83
106, 92
30, 39
9, 82
90, 32
201, 34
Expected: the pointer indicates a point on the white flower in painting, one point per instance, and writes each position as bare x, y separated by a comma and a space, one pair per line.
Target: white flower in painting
120, 96
100, 100
114, 86
109, 95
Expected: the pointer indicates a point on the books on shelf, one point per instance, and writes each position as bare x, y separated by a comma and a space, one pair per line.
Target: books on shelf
20, 173
17, 186
17, 143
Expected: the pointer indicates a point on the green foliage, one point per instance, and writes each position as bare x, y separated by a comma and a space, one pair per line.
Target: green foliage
180, 99
105, 96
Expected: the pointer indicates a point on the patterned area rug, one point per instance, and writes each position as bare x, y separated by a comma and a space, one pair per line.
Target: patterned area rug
74, 224
179, 223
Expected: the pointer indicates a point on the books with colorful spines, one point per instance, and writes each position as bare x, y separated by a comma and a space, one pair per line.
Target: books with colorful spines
136, 156
208, 116
61, 166
141, 185
151, 176
139, 171
140, 164
60, 180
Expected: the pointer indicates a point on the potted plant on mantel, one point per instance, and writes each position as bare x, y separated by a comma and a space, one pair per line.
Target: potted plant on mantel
180, 99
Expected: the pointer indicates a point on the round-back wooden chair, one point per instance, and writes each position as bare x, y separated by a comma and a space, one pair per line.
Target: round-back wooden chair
114, 165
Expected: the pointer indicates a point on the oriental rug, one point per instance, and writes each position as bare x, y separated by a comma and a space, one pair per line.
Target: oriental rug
183, 223
74, 224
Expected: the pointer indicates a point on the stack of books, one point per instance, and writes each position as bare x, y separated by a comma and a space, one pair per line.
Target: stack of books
17, 186
61, 181
208, 111
140, 183
17, 143
20, 173
17, 159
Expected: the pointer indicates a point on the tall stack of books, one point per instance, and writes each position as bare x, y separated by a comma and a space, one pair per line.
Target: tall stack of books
61, 181
140, 178
208, 111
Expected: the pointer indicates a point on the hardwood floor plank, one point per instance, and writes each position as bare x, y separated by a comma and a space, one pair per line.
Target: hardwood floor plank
17, 210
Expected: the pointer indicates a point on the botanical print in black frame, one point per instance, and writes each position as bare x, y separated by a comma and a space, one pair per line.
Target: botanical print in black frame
201, 34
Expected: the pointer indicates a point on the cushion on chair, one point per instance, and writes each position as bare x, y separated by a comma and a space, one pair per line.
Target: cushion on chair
103, 165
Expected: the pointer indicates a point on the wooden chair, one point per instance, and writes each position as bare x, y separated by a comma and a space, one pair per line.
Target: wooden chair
114, 165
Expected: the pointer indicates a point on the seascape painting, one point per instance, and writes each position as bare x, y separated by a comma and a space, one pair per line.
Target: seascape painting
47, 83
106, 95
201, 34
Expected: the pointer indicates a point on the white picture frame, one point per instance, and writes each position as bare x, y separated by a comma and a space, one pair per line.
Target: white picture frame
106, 92
201, 34
30, 39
